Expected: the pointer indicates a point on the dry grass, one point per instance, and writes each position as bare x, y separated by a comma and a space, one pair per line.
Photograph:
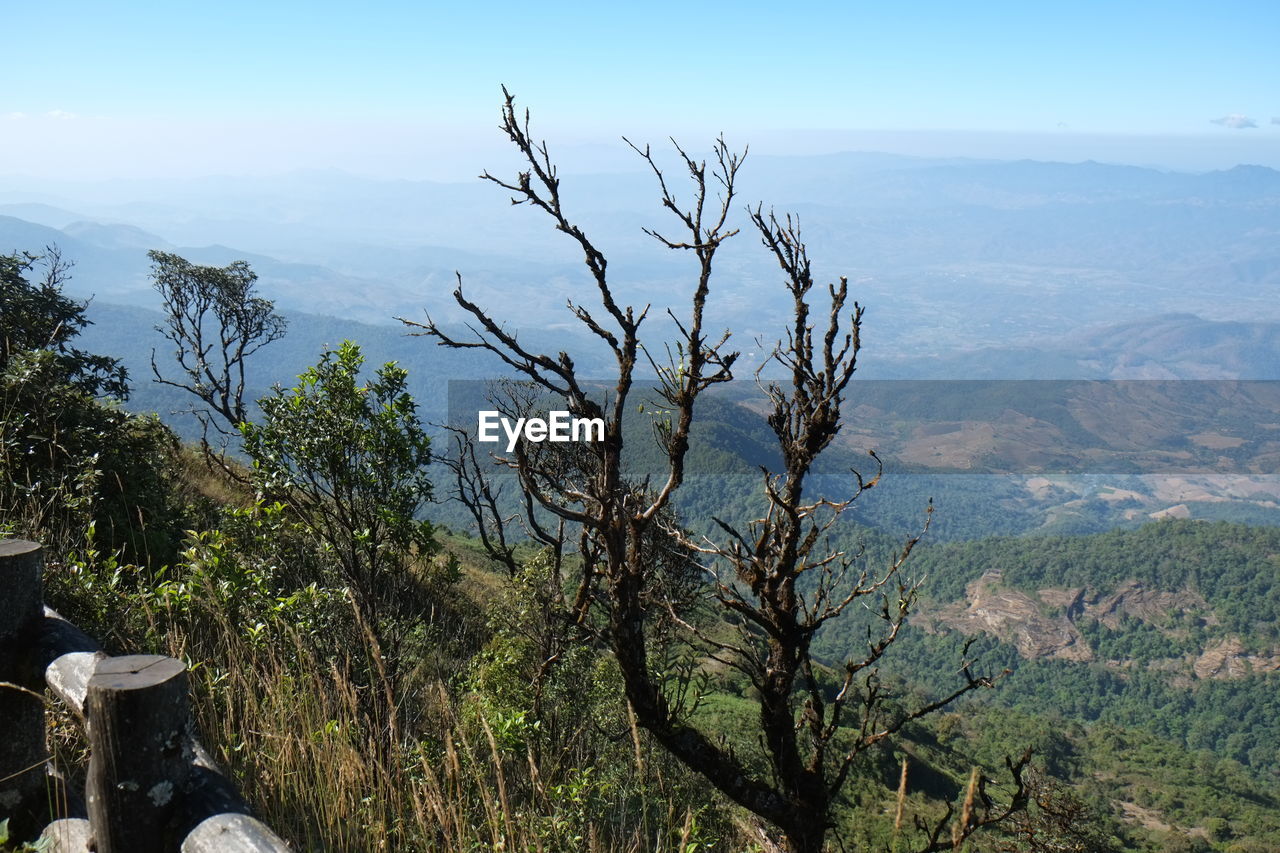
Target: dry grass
338, 755
321, 751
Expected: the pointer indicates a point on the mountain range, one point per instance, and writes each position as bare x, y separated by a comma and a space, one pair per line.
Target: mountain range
947, 255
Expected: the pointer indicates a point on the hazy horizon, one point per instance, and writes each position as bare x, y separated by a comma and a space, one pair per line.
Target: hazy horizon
1188, 153
400, 90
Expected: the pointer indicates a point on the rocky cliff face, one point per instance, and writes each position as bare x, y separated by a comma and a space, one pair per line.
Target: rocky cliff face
1140, 602
1227, 658
1015, 617
1045, 625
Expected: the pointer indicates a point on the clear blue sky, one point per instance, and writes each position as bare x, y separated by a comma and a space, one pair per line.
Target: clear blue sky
100, 87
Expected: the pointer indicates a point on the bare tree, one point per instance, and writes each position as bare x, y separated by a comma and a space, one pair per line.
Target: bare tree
777, 576
215, 321
1060, 822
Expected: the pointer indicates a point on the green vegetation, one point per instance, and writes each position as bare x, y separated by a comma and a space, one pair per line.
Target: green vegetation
378, 681
457, 734
1234, 567
350, 460
1180, 755
347, 731
70, 460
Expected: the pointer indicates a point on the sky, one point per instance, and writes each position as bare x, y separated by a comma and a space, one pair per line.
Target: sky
411, 89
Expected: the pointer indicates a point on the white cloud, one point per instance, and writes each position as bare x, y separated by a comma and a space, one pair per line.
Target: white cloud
1235, 121
59, 114
15, 116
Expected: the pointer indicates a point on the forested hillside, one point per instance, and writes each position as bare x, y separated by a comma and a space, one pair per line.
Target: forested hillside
1152, 652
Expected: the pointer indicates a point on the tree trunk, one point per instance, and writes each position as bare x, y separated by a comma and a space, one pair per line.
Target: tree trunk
805, 833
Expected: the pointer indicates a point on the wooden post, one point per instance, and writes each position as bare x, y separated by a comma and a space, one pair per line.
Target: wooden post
22, 752
138, 718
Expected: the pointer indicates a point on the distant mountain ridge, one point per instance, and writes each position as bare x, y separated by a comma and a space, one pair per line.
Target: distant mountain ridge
947, 255
1166, 346
110, 263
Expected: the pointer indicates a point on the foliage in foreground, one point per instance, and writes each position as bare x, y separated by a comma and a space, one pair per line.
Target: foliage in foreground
350, 460
70, 458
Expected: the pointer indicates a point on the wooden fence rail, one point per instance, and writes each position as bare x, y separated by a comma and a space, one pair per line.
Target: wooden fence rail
151, 788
